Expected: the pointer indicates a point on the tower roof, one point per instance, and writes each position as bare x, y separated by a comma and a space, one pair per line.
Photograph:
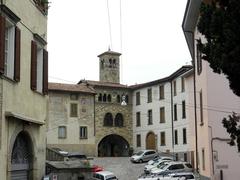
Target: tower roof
109, 52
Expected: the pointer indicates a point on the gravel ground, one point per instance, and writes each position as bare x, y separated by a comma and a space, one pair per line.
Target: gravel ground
120, 166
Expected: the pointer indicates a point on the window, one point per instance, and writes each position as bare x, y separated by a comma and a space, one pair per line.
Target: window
39, 66
73, 110
104, 98
149, 95
162, 139
138, 98
176, 155
201, 107
119, 120
175, 112
109, 98
175, 137
199, 60
10, 36
138, 119
83, 132
108, 120
174, 88
162, 115
161, 92
118, 99
62, 132
184, 136
138, 140
150, 117
183, 110
203, 159
126, 99
100, 97
183, 84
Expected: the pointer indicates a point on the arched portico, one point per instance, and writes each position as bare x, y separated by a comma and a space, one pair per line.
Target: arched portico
150, 141
113, 146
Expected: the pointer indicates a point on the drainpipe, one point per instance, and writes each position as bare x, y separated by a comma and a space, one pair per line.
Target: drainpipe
94, 116
172, 119
212, 150
195, 102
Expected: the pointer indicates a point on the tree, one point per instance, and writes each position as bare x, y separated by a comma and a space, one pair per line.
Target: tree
220, 24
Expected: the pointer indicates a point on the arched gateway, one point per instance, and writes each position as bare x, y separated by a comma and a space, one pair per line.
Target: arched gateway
21, 158
113, 146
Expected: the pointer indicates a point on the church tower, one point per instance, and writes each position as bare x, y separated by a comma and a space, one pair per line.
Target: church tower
109, 67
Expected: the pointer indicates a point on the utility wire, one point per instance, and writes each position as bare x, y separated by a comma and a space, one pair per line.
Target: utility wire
109, 25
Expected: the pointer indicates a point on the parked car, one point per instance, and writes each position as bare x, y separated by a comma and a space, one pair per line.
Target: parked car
159, 157
105, 175
159, 162
172, 167
174, 176
144, 155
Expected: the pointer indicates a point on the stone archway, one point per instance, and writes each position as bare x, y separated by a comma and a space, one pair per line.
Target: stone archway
150, 141
113, 146
22, 157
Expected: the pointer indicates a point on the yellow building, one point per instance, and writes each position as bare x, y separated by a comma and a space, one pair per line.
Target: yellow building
23, 88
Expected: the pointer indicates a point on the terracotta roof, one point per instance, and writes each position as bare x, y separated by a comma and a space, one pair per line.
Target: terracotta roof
103, 84
71, 88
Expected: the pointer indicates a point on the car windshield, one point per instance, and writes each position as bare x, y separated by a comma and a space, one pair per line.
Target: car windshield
139, 153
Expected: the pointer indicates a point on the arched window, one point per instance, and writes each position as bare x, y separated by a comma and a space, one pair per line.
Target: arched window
104, 98
102, 63
114, 63
109, 98
110, 63
126, 99
118, 99
100, 97
119, 120
108, 120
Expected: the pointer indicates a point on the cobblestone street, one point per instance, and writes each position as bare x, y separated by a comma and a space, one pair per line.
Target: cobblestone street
120, 166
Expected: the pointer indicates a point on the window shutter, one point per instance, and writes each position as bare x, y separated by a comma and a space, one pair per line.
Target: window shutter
17, 55
45, 72
2, 43
34, 65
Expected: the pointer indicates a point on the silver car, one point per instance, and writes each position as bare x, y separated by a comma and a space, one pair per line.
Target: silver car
143, 156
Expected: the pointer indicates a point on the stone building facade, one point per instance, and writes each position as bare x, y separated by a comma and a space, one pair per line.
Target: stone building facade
23, 82
99, 110
71, 118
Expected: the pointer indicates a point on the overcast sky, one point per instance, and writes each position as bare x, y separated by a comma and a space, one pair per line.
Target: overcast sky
153, 44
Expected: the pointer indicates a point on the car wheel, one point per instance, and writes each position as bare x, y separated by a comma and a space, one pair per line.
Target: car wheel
141, 161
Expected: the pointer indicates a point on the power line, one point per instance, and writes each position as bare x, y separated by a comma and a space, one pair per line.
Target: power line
109, 25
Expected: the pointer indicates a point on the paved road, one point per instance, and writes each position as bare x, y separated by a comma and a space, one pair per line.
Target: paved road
120, 166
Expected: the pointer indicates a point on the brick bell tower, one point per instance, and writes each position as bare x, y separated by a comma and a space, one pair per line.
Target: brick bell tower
109, 67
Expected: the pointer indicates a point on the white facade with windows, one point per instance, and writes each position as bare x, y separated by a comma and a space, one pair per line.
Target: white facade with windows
214, 101
159, 97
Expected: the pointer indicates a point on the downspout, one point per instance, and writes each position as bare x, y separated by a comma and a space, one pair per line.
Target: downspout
195, 101
172, 119
94, 116
212, 150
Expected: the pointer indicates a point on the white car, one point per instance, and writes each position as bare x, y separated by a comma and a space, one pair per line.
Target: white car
158, 158
105, 175
144, 155
172, 167
160, 162
174, 176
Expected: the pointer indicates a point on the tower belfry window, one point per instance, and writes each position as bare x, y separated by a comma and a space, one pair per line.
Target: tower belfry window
110, 63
